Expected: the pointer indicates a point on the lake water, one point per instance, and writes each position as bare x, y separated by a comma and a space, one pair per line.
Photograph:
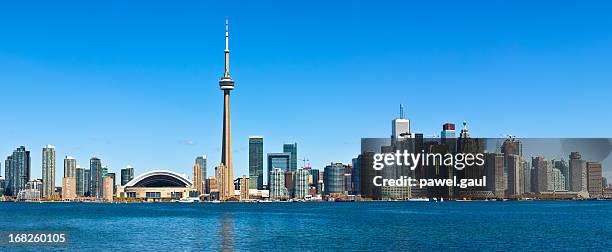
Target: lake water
534, 225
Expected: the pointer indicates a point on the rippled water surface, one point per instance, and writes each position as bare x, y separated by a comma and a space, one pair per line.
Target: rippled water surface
535, 225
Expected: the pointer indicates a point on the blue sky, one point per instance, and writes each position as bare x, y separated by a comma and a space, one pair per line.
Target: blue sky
136, 82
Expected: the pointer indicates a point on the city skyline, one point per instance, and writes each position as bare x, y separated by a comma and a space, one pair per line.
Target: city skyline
126, 110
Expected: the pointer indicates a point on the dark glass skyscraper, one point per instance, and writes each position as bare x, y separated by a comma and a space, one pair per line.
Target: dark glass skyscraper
291, 148
127, 174
256, 162
18, 170
334, 178
87, 182
201, 160
80, 181
95, 167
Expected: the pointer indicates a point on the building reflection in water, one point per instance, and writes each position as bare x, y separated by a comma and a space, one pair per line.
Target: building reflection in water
227, 232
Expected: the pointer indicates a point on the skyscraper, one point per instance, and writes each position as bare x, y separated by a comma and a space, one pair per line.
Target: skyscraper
577, 172
448, 131
114, 177
333, 179
291, 148
494, 170
256, 162
18, 170
95, 168
80, 181
594, 179
400, 127
280, 161
70, 166
226, 185
202, 160
301, 183
87, 182
69, 180
48, 170
127, 174
540, 177
198, 180
276, 184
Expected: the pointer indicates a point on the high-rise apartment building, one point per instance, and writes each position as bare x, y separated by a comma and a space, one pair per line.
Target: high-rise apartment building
577, 172
17, 171
301, 183
96, 183
540, 177
198, 180
80, 181
87, 182
594, 172
494, 170
48, 170
276, 184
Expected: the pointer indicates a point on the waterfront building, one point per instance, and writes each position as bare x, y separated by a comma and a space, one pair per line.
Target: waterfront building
314, 180
127, 174
564, 168
48, 170
356, 176
515, 174
556, 180
225, 169
80, 181
95, 167
17, 171
69, 180
198, 180
292, 149
69, 190
594, 172
87, 182
113, 176
281, 161
494, 170
301, 183
540, 175
202, 160
70, 166
158, 185
577, 172
108, 188
276, 183
526, 176
244, 187
211, 186
256, 162
31, 190
334, 179
290, 183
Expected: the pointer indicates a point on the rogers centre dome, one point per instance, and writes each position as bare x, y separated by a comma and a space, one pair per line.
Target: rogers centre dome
158, 185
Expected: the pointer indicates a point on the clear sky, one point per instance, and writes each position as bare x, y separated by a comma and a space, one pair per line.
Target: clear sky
136, 82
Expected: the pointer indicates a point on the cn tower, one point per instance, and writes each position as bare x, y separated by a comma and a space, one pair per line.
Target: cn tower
226, 186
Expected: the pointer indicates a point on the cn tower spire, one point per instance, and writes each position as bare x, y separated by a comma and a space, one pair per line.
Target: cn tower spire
226, 74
